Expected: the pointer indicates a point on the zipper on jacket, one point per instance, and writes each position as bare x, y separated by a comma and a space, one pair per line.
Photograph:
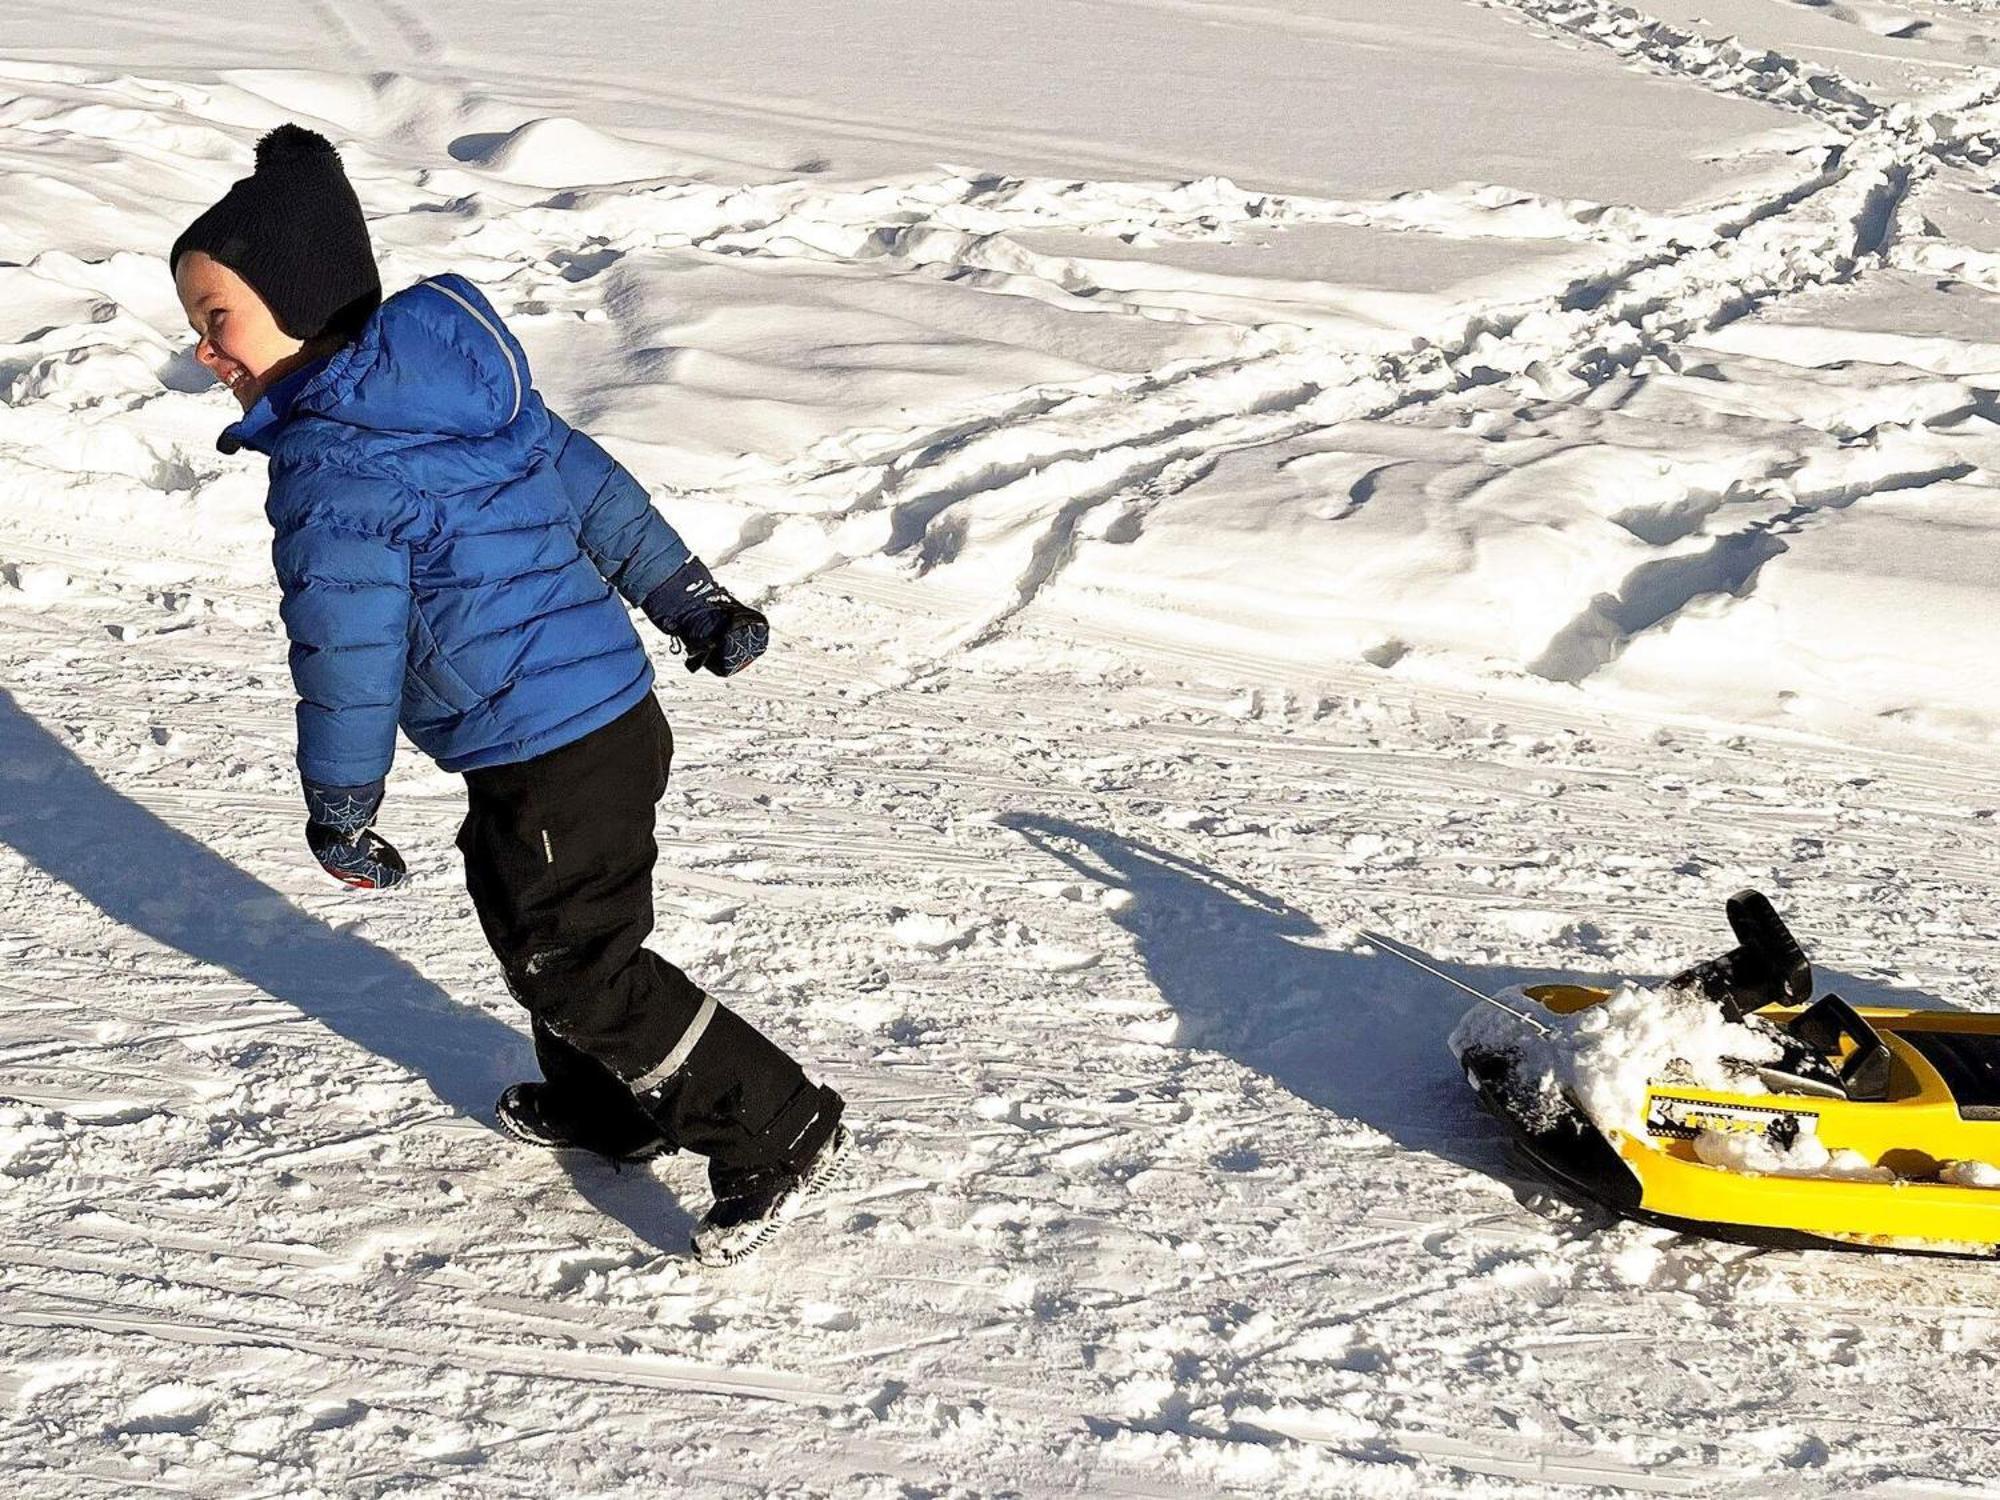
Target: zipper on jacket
508, 354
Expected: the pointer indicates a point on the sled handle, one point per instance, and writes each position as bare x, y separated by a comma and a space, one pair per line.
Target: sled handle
1759, 928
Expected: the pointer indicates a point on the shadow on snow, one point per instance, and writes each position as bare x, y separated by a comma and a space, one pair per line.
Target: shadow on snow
1360, 1034
147, 875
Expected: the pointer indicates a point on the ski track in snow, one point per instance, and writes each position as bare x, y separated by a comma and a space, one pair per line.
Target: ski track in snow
1166, 1189
1034, 468
1030, 1206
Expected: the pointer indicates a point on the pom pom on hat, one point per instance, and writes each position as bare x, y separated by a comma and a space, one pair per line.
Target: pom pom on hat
294, 231
290, 143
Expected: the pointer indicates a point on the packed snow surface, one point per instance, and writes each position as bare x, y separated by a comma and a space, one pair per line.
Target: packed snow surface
1223, 476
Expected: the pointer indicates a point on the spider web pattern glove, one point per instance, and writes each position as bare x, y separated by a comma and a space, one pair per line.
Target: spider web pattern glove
338, 834
716, 629
745, 634
364, 859
344, 809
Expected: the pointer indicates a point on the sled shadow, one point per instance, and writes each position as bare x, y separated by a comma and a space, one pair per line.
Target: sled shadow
1361, 1034
141, 872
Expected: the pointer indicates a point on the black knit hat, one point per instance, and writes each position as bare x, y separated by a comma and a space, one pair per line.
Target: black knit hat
293, 230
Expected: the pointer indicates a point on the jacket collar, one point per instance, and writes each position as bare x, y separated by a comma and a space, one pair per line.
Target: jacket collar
271, 410
433, 361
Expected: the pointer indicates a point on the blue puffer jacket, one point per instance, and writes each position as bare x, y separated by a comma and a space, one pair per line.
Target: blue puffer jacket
451, 553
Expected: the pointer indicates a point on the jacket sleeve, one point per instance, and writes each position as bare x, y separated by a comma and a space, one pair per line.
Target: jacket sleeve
346, 608
629, 541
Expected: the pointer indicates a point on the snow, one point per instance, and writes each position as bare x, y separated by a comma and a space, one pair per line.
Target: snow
1806, 1156
1979, 1174
1605, 1056
1224, 477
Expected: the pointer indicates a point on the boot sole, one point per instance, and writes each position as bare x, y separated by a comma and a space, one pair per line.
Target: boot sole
829, 1169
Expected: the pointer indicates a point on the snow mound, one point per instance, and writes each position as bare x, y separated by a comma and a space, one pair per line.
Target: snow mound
929, 933
37, 583
555, 151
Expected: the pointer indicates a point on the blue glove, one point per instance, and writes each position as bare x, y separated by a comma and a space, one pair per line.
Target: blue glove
348, 849
715, 628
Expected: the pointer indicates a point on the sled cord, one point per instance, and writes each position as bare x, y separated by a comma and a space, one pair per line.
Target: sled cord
1395, 950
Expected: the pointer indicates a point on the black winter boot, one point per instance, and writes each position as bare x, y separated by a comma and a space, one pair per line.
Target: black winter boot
541, 1114
752, 1203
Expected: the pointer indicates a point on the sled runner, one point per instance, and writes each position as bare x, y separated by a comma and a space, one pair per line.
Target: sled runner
1849, 1127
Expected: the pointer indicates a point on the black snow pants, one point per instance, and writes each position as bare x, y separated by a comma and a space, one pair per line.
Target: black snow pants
559, 856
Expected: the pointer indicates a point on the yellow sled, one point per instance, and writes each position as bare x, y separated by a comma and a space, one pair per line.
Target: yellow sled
1911, 1091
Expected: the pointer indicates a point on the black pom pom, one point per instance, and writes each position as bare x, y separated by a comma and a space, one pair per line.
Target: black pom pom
294, 143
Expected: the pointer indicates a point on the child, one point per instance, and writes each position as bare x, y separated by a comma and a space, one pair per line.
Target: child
448, 550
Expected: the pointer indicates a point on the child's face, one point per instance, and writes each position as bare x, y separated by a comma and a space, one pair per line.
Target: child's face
240, 341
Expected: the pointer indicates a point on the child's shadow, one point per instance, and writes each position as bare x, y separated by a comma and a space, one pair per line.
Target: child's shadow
1362, 1035
139, 871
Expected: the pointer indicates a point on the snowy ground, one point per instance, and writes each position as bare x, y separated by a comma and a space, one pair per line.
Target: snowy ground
1223, 476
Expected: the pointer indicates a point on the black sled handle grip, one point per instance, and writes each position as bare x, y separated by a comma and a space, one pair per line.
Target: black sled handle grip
1761, 931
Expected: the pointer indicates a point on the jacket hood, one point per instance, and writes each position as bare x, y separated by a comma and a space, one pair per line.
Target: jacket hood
435, 360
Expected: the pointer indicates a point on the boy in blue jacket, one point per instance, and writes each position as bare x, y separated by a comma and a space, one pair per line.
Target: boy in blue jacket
456, 559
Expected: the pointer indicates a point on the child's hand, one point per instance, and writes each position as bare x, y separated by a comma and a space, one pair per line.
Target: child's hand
364, 860
338, 834
716, 629
740, 640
